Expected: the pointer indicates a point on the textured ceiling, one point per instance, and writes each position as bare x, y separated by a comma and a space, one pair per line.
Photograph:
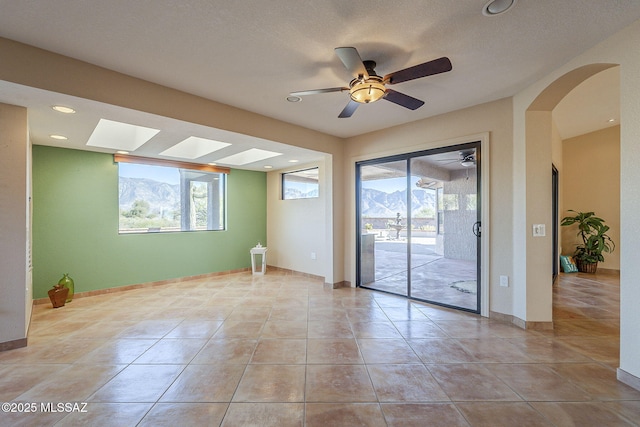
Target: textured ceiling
252, 54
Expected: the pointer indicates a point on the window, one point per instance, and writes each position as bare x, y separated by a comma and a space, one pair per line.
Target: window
163, 198
301, 184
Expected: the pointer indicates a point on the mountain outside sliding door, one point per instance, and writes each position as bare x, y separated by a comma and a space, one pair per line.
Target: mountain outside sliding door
383, 215
419, 226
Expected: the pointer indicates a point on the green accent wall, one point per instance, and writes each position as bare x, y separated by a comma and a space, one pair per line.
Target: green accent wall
75, 227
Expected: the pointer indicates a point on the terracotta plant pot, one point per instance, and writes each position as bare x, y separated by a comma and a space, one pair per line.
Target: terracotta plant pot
58, 295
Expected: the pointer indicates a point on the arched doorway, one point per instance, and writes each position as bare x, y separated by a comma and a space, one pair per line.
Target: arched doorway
537, 158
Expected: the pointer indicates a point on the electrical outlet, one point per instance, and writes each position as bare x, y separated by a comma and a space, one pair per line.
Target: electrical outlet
504, 281
313, 255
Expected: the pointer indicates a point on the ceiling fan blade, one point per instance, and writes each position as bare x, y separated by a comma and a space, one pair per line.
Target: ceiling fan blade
352, 61
403, 100
437, 66
349, 109
316, 91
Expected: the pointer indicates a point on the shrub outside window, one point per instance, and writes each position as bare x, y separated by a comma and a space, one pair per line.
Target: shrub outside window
163, 199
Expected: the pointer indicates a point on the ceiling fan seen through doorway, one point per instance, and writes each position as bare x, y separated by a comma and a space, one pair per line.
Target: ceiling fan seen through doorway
367, 86
466, 158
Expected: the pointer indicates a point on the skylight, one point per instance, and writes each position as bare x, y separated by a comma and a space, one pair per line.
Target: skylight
249, 156
120, 136
194, 147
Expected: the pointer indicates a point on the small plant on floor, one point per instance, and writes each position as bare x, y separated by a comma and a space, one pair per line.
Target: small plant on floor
593, 232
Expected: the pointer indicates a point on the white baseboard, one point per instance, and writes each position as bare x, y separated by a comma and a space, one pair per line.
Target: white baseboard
629, 379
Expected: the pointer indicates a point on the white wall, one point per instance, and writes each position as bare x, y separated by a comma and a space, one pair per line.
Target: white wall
14, 150
297, 228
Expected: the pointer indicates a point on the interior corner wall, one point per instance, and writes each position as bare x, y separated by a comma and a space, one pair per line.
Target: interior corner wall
75, 227
296, 228
591, 183
494, 118
336, 206
14, 225
539, 134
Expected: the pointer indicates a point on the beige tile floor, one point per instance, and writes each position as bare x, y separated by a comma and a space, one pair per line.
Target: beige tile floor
282, 350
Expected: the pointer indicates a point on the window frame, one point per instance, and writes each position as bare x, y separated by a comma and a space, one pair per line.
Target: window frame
188, 172
283, 187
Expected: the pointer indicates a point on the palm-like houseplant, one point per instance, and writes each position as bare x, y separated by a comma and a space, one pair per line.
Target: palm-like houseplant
593, 232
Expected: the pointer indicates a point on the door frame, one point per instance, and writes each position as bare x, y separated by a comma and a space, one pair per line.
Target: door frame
555, 218
484, 203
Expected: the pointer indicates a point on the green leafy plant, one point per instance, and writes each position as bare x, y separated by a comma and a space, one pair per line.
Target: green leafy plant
593, 232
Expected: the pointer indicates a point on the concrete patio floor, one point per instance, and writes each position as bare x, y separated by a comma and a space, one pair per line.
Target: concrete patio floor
434, 278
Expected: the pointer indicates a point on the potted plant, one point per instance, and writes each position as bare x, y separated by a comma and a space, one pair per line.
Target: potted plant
595, 241
58, 295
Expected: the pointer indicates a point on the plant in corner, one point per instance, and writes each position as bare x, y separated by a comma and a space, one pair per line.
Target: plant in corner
593, 232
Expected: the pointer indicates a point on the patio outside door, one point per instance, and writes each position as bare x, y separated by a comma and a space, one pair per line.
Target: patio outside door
418, 218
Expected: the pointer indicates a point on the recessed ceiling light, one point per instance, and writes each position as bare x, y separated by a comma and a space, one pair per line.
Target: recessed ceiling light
63, 109
268, 167
120, 136
194, 147
212, 164
293, 161
249, 156
122, 152
497, 7
293, 98
60, 137
611, 120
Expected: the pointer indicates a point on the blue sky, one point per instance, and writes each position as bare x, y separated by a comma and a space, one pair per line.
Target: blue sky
157, 173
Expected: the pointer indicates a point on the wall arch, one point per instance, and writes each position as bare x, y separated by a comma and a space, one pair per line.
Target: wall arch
539, 135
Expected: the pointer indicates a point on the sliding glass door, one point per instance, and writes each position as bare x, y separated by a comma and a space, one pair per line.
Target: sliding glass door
419, 229
384, 255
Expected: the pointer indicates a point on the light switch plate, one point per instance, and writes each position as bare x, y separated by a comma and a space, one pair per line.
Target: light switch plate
504, 281
539, 230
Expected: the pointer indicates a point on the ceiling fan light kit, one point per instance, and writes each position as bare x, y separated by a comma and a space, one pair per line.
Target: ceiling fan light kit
367, 87
367, 91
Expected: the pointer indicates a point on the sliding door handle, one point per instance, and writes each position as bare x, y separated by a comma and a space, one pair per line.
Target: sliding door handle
477, 229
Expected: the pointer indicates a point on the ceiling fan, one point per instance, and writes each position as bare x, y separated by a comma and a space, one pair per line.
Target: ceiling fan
465, 158
367, 86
